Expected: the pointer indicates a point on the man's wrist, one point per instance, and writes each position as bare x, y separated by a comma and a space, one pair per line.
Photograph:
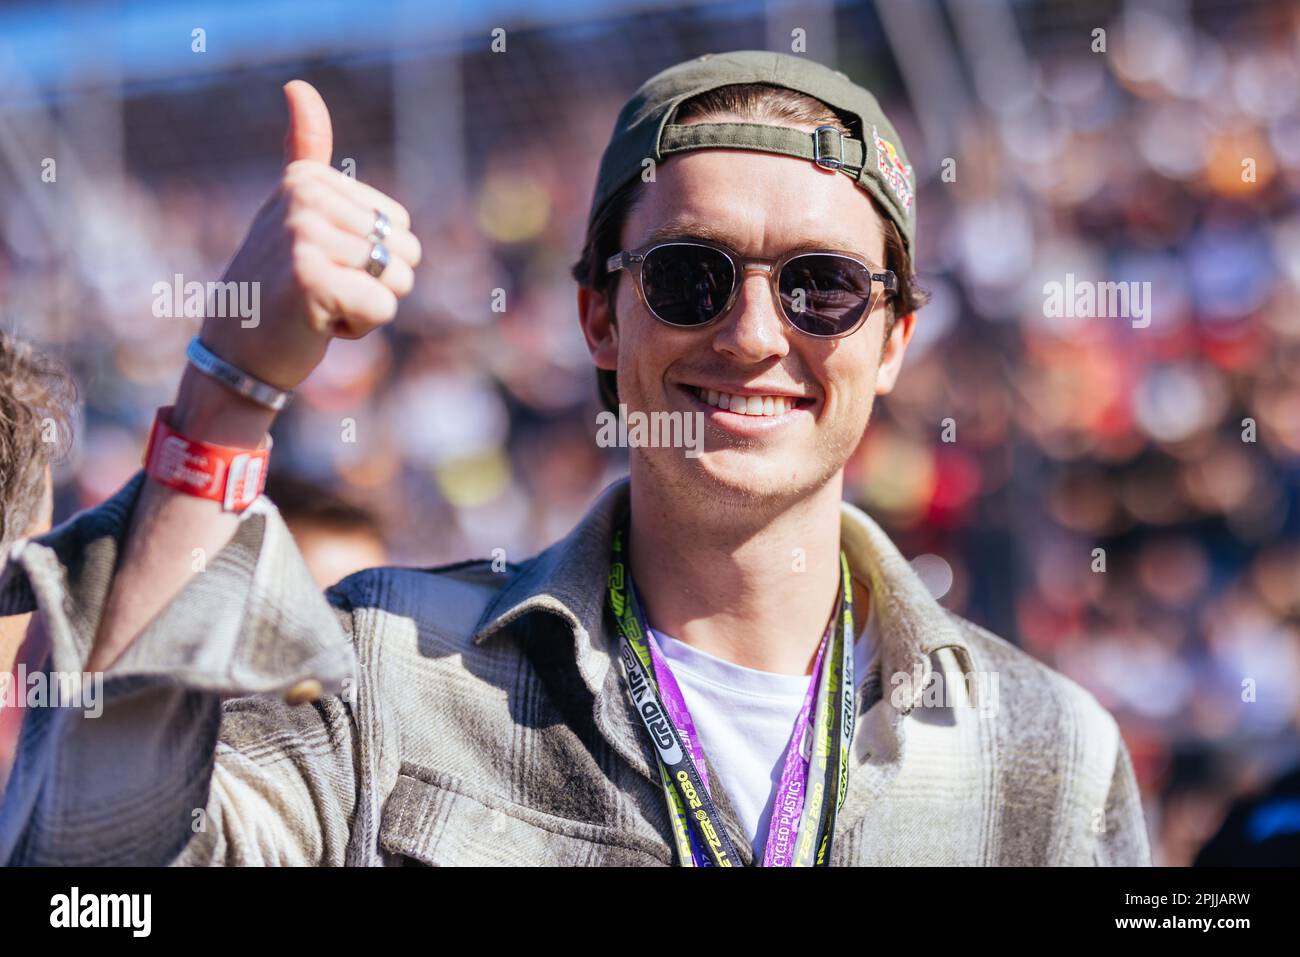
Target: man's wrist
207, 411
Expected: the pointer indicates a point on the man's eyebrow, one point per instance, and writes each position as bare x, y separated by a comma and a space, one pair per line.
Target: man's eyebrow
682, 228
687, 229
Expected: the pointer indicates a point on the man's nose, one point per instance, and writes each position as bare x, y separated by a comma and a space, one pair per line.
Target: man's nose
754, 331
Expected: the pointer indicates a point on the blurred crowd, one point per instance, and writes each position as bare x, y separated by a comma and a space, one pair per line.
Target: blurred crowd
1121, 501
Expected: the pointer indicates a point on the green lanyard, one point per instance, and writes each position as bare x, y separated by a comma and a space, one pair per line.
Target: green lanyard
696, 824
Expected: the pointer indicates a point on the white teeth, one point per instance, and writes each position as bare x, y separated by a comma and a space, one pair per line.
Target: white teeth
748, 405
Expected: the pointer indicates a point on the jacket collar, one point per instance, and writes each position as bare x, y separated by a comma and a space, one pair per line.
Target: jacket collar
568, 580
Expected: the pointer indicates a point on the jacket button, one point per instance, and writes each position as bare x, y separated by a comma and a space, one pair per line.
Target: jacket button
304, 691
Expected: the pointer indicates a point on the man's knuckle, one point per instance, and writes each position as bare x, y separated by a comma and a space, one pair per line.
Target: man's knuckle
303, 265
308, 194
303, 223
293, 177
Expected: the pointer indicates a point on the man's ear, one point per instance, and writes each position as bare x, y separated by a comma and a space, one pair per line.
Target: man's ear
891, 360
598, 328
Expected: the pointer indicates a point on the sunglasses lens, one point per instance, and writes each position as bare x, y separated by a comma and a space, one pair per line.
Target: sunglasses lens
825, 295
685, 284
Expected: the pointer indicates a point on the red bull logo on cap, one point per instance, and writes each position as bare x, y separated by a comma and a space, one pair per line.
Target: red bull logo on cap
896, 174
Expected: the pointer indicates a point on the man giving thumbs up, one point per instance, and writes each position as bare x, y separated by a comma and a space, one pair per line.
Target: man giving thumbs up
723, 664
332, 256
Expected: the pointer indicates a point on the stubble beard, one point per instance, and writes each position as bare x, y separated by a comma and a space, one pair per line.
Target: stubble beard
718, 500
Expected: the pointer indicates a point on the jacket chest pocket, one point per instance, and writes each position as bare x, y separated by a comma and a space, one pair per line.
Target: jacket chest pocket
436, 824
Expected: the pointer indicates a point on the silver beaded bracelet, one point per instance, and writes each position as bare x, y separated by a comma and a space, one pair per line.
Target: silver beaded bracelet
235, 378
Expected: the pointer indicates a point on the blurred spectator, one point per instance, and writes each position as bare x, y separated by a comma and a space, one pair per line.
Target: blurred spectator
1263, 830
37, 408
335, 537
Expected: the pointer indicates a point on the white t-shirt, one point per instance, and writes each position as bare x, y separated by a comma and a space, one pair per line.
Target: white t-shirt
744, 718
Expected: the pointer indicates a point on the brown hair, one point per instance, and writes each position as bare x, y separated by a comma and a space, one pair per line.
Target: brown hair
754, 103
37, 406
302, 502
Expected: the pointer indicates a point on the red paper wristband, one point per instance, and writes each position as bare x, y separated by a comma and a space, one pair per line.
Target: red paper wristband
234, 477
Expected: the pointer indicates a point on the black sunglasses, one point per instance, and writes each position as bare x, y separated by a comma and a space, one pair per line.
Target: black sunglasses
691, 283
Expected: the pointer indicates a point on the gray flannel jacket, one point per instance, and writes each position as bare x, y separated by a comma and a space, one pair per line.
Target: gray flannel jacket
475, 716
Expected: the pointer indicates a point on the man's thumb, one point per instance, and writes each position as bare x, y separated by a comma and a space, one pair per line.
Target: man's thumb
310, 136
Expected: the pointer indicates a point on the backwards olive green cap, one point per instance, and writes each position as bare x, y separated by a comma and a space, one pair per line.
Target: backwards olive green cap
645, 128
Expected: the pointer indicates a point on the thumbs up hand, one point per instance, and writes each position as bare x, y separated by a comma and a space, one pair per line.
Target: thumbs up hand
310, 135
308, 249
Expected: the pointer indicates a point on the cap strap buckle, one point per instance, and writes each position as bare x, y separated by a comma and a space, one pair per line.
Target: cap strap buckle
828, 148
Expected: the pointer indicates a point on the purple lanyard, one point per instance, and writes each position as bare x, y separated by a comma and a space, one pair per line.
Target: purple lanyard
784, 826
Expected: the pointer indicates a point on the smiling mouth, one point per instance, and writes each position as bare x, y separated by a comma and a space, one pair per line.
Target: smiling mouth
756, 405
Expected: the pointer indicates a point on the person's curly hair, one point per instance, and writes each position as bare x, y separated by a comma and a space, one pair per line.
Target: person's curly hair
38, 400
